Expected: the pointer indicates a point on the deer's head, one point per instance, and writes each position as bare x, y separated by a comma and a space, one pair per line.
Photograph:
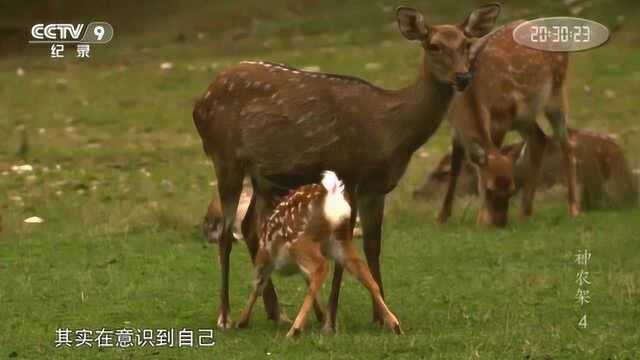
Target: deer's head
446, 47
496, 184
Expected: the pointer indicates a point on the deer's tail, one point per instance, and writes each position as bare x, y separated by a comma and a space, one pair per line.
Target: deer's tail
336, 207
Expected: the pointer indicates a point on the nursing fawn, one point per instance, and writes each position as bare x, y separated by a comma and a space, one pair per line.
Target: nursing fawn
311, 224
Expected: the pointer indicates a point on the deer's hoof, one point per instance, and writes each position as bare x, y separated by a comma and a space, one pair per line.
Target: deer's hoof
442, 218
294, 332
242, 324
224, 322
329, 328
396, 329
573, 211
525, 214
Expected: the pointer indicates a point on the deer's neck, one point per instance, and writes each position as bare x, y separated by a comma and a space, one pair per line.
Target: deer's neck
418, 111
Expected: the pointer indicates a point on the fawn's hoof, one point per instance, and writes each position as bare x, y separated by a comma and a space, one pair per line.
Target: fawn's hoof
396, 329
224, 322
242, 324
294, 332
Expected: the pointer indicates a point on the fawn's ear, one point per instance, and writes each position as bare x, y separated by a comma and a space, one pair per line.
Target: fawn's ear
411, 23
481, 20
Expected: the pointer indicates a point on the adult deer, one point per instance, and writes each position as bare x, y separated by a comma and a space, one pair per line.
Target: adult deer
511, 85
284, 126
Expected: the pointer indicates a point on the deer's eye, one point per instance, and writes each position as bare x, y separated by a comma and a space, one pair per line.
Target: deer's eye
434, 48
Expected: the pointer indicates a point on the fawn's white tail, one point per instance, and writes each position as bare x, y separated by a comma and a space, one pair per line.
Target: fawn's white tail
336, 207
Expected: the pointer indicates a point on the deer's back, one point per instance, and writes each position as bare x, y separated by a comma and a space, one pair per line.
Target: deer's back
509, 76
281, 120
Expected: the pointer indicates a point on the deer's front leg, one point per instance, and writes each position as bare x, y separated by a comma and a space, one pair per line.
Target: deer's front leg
558, 113
371, 212
457, 156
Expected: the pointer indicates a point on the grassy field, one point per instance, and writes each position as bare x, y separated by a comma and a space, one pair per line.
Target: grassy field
121, 181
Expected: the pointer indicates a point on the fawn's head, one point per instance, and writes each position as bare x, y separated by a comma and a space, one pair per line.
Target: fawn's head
446, 47
495, 173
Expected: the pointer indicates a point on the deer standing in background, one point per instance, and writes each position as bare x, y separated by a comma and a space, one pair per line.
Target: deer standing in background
309, 225
511, 85
283, 126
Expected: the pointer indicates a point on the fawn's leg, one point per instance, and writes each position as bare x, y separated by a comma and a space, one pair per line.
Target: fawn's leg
330, 323
263, 269
317, 275
359, 269
251, 226
318, 309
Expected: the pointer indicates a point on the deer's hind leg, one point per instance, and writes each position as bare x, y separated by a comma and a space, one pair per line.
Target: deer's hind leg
331, 318
230, 175
557, 112
534, 146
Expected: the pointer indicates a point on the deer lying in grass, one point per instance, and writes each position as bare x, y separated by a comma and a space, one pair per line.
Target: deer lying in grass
311, 224
283, 126
511, 85
603, 173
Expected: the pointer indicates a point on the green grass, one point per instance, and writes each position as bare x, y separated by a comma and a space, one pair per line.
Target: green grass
121, 181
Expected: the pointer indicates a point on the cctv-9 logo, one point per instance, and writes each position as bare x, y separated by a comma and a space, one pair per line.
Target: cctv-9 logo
99, 32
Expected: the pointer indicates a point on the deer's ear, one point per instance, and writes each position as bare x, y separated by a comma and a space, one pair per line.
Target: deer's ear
411, 23
481, 20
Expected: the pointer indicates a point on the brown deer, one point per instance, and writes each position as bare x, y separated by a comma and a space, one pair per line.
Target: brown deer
604, 176
309, 225
511, 85
283, 126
